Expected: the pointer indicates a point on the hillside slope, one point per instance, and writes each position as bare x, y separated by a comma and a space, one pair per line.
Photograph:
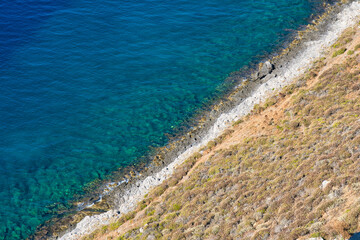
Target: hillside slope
289, 170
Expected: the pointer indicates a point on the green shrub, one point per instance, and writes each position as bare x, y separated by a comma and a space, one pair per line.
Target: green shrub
150, 211
211, 144
115, 225
339, 52
315, 235
350, 52
336, 45
176, 207
238, 122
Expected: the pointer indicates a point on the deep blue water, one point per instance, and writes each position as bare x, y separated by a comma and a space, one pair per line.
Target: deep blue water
87, 86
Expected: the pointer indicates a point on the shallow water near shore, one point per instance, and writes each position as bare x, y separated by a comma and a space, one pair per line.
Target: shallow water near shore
88, 87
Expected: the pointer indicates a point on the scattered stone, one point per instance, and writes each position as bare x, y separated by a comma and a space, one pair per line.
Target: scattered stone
284, 223
151, 237
315, 227
324, 184
268, 77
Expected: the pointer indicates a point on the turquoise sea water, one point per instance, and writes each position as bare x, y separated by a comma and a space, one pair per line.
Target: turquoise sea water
88, 86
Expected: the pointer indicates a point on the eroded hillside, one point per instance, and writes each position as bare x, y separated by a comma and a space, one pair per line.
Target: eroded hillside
289, 170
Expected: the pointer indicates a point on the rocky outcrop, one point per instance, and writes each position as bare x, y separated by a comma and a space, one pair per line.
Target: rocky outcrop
265, 69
